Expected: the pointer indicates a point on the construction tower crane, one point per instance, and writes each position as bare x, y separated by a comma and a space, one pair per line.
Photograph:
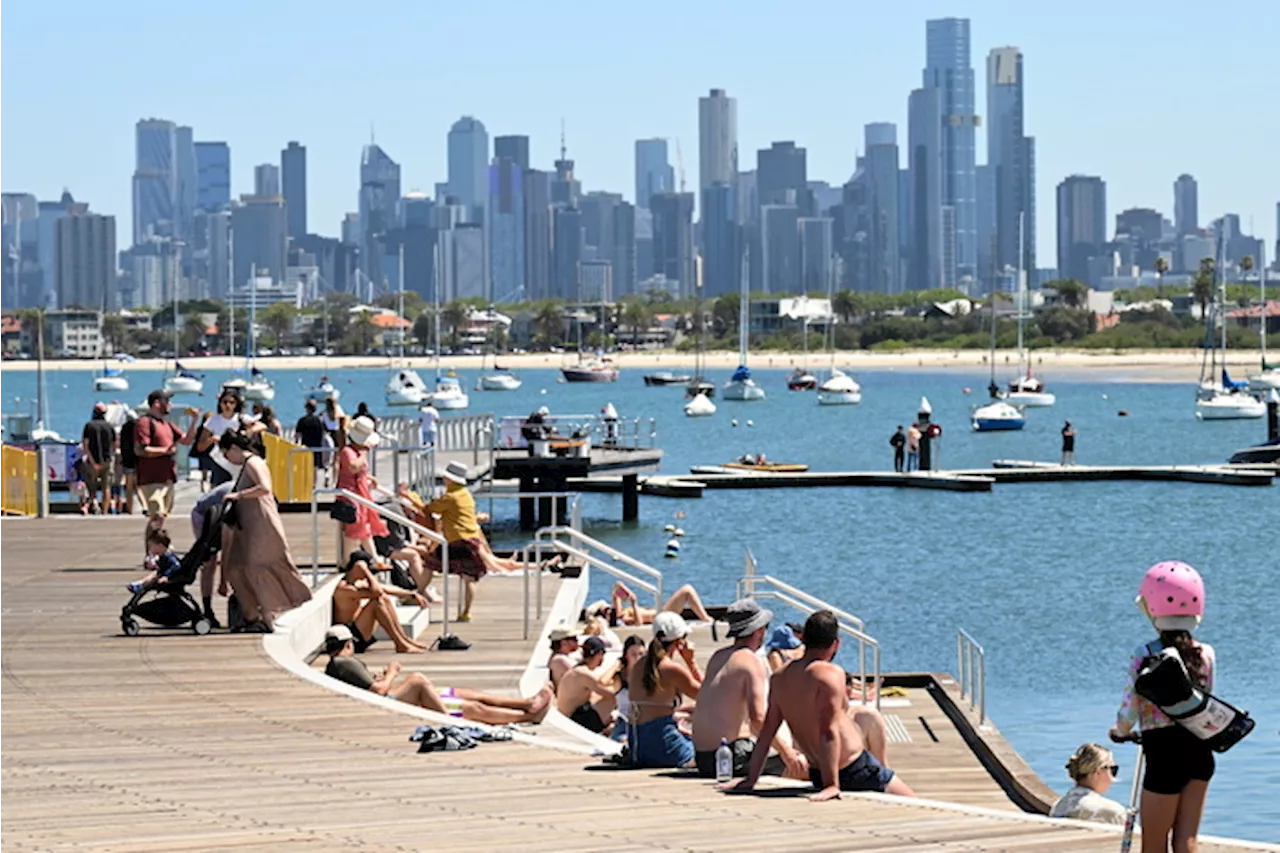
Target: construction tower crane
679, 165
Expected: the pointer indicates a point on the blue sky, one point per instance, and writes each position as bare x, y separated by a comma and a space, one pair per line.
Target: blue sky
1136, 92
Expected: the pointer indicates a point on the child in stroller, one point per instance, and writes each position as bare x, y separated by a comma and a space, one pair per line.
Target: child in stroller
161, 598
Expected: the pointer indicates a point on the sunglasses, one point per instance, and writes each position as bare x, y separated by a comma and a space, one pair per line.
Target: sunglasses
1115, 770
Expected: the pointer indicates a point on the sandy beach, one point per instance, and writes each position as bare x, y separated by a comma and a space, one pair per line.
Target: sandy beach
1128, 365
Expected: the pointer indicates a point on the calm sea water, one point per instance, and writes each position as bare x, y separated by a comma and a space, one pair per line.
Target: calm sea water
1042, 575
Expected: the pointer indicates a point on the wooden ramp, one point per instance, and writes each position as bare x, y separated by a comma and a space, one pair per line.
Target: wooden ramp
170, 742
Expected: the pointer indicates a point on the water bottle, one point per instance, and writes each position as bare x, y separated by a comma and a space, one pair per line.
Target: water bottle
724, 762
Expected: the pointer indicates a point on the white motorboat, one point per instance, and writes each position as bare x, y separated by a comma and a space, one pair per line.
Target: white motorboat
801, 380
259, 387
839, 389
1228, 405
112, 379
183, 383
997, 416
1028, 391
700, 407
500, 382
448, 393
741, 387
323, 390
406, 388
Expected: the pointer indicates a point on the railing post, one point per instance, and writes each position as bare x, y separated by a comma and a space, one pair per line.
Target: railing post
395, 468
982, 687
960, 661
315, 540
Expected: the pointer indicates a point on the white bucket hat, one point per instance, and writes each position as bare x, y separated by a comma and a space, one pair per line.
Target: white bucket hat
362, 431
456, 472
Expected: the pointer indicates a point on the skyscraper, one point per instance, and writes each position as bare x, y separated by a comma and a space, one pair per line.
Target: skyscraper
881, 164
1186, 205
418, 240
213, 176
515, 148
379, 195
782, 175
924, 204
816, 250
653, 172
566, 251
86, 259
624, 249
155, 178
1009, 157
673, 238
506, 230
949, 72
779, 248
293, 170
188, 181
1082, 224
537, 234
468, 166
266, 180
260, 235
565, 188
717, 139
721, 245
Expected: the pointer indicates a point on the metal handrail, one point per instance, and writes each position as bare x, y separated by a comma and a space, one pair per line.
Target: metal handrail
591, 542
537, 547
973, 686
385, 513
748, 581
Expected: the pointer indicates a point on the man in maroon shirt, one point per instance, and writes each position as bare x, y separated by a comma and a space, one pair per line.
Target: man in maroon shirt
157, 440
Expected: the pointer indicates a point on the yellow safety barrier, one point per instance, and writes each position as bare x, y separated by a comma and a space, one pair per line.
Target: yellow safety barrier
21, 480
292, 474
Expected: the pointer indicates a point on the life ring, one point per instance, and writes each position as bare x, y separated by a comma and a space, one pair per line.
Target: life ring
933, 431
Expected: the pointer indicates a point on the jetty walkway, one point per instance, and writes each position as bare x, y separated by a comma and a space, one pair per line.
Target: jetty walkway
170, 742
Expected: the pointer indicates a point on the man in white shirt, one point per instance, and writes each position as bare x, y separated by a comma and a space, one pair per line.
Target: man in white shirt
428, 420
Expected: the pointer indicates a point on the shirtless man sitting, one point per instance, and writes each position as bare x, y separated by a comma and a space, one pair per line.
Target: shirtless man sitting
416, 689
731, 704
360, 602
809, 696
584, 694
564, 647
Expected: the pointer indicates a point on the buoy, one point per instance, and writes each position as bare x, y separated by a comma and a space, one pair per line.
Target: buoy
673, 549
1104, 396
751, 423
968, 390
544, 390
1124, 413
670, 528
733, 422
679, 531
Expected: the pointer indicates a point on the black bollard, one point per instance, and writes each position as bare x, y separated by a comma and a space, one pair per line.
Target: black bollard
1273, 418
926, 449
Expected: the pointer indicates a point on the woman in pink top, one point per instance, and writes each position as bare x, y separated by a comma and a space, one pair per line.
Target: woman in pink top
353, 475
913, 448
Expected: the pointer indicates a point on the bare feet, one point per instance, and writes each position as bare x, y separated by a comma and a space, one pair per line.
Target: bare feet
411, 649
541, 704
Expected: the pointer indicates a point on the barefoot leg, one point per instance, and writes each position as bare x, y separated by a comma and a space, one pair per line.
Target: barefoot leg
416, 689
536, 710
468, 598
366, 617
385, 614
874, 734
687, 596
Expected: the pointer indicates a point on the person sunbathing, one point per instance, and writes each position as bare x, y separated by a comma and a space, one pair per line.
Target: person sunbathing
633, 614
416, 689
360, 602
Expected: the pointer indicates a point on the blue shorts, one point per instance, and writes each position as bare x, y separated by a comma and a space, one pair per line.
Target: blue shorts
659, 743
864, 773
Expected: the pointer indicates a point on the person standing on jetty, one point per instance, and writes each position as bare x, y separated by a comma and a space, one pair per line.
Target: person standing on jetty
98, 443
898, 441
1179, 764
1068, 444
809, 696
156, 443
913, 447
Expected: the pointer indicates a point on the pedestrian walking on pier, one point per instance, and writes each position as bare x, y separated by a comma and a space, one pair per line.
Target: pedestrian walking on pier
898, 441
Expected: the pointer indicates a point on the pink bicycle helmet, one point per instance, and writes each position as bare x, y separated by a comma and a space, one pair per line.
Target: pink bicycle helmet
1172, 596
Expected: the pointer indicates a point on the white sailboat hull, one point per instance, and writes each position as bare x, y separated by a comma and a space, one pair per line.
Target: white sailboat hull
699, 407
183, 385
405, 396
1265, 381
1229, 407
261, 390
743, 391
445, 400
997, 417
839, 398
110, 383
1031, 399
500, 382
320, 393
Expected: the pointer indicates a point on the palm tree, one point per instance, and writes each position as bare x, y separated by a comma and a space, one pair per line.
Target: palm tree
193, 330
1162, 267
549, 322
364, 330
845, 305
278, 319
424, 326
1246, 265
31, 320
114, 332
455, 315
637, 317
1202, 284
1073, 292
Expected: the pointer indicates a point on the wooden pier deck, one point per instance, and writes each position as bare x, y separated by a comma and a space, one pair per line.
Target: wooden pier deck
170, 742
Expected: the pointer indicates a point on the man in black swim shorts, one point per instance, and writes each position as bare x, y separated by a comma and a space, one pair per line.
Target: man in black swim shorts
583, 695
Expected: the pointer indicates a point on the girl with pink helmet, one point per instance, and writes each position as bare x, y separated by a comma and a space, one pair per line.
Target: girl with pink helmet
1179, 764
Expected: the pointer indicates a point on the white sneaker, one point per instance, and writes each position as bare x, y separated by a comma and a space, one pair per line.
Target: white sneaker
433, 595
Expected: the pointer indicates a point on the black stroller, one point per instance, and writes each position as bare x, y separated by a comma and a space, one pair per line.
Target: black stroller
168, 604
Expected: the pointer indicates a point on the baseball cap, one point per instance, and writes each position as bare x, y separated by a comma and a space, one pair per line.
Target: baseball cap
561, 632
157, 394
339, 634
593, 645
668, 626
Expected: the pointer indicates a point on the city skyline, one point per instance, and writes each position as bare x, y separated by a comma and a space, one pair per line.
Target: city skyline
87, 146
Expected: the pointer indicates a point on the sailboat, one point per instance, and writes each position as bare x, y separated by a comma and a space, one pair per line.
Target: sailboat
404, 386
741, 386
801, 379
256, 386
699, 385
182, 381
1269, 378
1026, 390
839, 388
1219, 397
498, 379
594, 369
323, 390
998, 415
112, 379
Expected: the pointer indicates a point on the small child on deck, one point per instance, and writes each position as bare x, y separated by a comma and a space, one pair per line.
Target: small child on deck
160, 560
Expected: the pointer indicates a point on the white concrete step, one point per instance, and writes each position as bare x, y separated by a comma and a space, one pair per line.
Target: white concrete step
413, 619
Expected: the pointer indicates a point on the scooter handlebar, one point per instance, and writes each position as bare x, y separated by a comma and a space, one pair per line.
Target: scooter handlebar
1132, 737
